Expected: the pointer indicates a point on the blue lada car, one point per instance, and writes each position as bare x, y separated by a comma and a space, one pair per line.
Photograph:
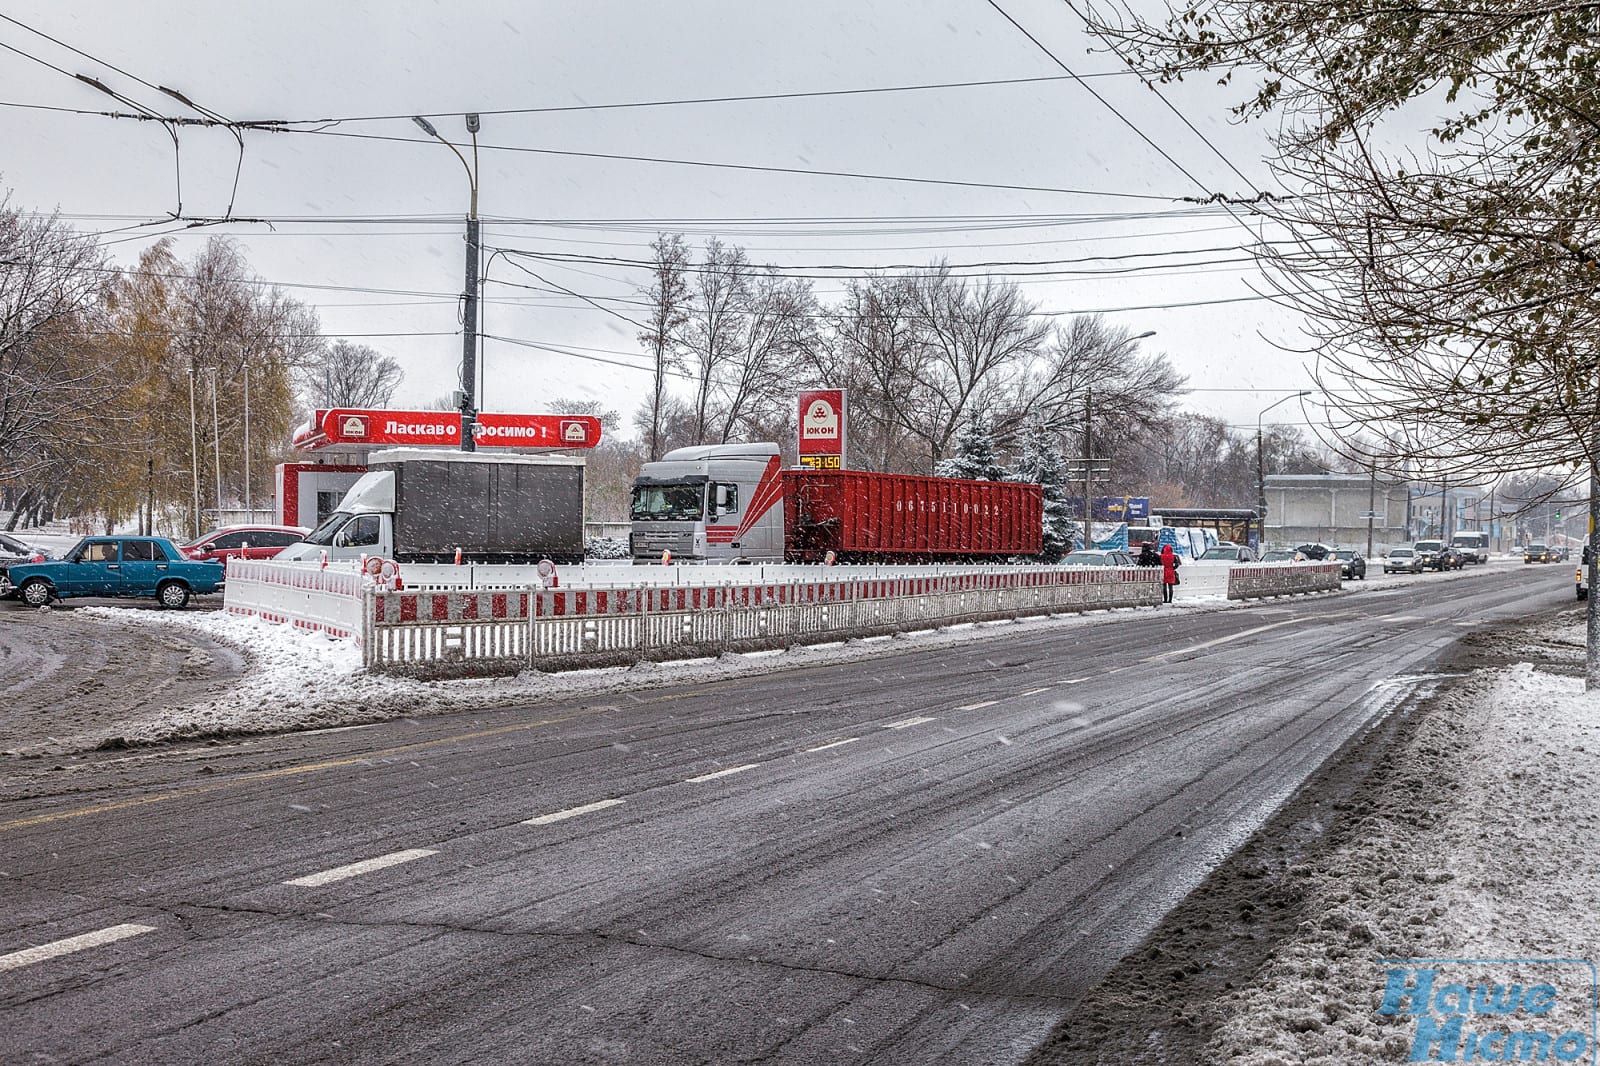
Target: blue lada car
114, 566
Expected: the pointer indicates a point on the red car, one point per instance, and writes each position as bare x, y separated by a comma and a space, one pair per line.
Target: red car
248, 542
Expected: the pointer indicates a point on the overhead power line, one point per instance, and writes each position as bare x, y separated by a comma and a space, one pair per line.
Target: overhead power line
750, 167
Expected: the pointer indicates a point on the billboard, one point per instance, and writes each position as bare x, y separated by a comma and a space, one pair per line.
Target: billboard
367, 428
823, 428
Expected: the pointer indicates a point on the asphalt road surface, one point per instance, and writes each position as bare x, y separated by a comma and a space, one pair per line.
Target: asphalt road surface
924, 858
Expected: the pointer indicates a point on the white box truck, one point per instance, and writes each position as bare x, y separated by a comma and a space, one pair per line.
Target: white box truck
421, 506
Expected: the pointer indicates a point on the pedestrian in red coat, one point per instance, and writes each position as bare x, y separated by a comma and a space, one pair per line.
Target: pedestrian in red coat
1169, 572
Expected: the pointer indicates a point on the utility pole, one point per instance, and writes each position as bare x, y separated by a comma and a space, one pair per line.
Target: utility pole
1088, 460
469, 312
1372, 503
249, 510
216, 442
194, 452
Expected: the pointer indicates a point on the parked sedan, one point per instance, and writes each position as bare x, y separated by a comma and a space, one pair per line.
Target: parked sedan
1097, 557
1403, 560
1355, 564
244, 542
117, 566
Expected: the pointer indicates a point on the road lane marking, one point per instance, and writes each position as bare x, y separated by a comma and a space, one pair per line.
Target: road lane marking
1076, 680
1034, 691
288, 771
572, 812
722, 773
978, 706
29, 956
1220, 640
356, 869
835, 744
908, 722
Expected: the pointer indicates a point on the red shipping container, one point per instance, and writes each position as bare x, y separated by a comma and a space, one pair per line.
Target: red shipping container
897, 518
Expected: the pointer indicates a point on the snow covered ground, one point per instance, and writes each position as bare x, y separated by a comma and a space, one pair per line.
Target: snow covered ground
300, 680
1484, 849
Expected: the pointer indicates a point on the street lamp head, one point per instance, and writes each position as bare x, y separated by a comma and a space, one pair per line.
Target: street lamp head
427, 127
1146, 333
473, 124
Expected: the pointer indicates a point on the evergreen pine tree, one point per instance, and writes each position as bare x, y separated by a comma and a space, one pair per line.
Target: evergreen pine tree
1040, 462
974, 458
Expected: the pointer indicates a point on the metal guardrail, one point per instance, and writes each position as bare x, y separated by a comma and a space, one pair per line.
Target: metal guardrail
431, 634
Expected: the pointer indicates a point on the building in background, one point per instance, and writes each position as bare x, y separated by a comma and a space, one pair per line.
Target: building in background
1333, 509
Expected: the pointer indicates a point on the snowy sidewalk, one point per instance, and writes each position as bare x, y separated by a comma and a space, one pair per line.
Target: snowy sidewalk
1472, 846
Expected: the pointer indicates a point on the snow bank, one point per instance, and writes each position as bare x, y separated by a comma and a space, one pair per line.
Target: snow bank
1483, 848
301, 680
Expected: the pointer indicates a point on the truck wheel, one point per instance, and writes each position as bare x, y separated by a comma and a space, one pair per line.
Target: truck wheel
173, 594
36, 592
1583, 593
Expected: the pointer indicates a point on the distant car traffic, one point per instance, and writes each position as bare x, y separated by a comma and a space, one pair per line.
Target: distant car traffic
1282, 555
1538, 553
1403, 560
1355, 564
116, 566
1429, 551
244, 542
1227, 553
1097, 557
1450, 558
1315, 552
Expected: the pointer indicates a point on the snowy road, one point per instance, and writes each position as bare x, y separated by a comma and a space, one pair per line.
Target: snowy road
923, 858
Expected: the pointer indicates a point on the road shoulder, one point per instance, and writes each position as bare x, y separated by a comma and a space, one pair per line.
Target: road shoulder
1460, 827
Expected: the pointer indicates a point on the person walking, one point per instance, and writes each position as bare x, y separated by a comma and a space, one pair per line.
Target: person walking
1169, 572
1147, 555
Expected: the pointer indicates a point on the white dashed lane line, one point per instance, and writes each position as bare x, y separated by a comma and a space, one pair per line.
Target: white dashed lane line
356, 869
908, 722
722, 773
978, 706
835, 744
29, 956
572, 812
1035, 691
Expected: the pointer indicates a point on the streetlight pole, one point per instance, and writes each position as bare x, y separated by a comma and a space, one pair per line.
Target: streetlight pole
469, 313
1261, 470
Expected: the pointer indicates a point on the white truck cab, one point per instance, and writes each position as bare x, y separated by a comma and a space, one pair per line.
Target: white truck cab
719, 503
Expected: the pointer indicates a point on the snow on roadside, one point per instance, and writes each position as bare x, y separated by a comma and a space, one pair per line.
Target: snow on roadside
1482, 848
302, 680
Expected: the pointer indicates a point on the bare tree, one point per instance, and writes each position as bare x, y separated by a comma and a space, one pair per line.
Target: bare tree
713, 332
973, 342
54, 380
1449, 285
342, 374
778, 328
869, 348
669, 296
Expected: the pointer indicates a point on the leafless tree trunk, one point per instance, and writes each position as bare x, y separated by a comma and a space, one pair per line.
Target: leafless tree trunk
668, 293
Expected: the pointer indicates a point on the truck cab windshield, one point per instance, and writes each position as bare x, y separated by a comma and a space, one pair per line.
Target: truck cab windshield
674, 503
324, 533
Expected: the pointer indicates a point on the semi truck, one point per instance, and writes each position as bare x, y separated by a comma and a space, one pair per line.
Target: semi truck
424, 506
735, 503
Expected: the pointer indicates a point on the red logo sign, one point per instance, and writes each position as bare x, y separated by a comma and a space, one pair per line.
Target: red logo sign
822, 422
443, 429
536, 431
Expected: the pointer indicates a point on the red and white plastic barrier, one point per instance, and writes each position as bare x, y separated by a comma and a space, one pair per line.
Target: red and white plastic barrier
320, 599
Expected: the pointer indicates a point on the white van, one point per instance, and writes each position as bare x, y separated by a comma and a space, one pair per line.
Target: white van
1473, 544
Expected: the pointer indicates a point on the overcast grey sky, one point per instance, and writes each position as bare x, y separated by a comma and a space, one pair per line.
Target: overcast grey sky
382, 218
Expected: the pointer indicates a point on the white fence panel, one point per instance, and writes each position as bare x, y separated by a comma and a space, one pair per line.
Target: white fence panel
306, 597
